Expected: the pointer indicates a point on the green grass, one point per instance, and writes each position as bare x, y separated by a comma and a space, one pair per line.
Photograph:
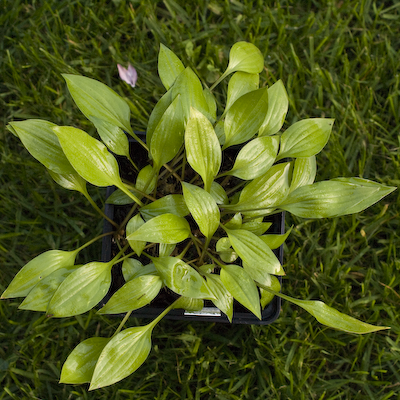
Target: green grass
337, 60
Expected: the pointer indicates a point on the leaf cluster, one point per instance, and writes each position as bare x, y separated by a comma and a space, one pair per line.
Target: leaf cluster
198, 224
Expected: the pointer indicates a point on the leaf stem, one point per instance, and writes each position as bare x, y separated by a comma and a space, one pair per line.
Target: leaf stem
133, 164
96, 207
93, 240
116, 259
127, 315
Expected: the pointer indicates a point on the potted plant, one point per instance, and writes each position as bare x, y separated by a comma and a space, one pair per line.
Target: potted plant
198, 222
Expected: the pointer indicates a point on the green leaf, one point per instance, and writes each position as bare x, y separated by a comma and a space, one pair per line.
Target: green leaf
133, 225
219, 131
97, 100
266, 191
255, 158
79, 366
335, 197
305, 138
165, 228
218, 193
190, 91
132, 268
69, 181
242, 287
203, 208
119, 198
304, 171
135, 294
267, 297
255, 253
36, 270
182, 278
245, 117
243, 57
112, 136
81, 290
240, 84
257, 226
278, 104
166, 249
38, 298
146, 179
212, 104
172, 203
223, 298
189, 304
275, 241
169, 66
91, 159
202, 147
330, 317
40, 140
225, 251
122, 356
167, 138
88, 156
157, 113
235, 222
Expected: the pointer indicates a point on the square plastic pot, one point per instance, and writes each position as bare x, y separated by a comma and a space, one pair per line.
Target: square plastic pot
209, 313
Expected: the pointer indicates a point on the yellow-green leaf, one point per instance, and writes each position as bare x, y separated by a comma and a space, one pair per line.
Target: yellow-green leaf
134, 224
81, 290
37, 269
242, 287
240, 84
122, 356
255, 158
135, 294
172, 203
38, 298
203, 208
278, 104
182, 278
245, 116
169, 66
95, 99
79, 366
341, 196
202, 147
305, 138
165, 228
40, 140
255, 253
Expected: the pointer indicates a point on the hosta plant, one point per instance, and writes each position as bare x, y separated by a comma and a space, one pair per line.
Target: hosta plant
197, 223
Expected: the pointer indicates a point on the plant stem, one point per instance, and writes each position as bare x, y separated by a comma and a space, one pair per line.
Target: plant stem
124, 257
152, 324
180, 256
204, 251
116, 259
96, 207
208, 253
93, 240
127, 315
129, 186
133, 164
163, 314
127, 218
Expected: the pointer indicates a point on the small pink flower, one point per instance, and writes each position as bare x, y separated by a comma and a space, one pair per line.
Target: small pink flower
128, 75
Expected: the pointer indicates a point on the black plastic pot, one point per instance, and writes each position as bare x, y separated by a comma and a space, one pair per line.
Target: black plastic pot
209, 313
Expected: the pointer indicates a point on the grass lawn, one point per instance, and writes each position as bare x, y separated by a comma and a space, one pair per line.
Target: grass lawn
337, 59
